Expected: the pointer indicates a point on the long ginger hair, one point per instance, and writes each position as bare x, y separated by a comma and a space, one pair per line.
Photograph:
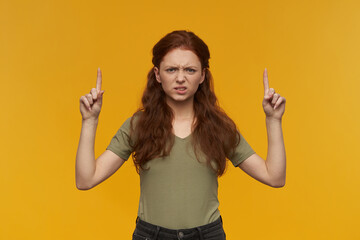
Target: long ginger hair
213, 132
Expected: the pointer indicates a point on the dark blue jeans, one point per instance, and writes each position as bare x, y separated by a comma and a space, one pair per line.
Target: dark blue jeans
148, 231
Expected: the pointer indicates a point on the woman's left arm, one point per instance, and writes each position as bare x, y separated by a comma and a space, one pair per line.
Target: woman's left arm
272, 171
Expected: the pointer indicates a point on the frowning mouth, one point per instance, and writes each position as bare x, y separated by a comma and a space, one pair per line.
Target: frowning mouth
181, 90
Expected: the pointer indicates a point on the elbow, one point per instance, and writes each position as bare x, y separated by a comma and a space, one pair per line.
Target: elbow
277, 184
82, 186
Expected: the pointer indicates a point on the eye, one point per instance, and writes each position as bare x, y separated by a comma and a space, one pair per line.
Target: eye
191, 70
170, 70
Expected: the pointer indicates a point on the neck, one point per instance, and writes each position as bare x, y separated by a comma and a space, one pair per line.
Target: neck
182, 110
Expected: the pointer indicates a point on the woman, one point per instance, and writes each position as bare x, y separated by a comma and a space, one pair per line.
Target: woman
179, 140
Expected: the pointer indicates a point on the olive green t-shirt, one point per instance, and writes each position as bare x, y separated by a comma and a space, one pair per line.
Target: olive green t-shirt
177, 192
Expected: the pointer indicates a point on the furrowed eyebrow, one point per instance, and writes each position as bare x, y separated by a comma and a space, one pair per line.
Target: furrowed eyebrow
169, 66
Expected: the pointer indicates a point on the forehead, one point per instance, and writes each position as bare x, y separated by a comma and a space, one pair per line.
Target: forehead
181, 57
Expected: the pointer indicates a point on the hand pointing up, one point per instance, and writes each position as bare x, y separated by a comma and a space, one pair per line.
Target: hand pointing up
90, 104
273, 103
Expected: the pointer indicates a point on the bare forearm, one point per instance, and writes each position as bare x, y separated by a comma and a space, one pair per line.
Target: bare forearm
276, 157
85, 156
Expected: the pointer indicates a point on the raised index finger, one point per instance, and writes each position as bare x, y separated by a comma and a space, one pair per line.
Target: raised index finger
98, 80
266, 82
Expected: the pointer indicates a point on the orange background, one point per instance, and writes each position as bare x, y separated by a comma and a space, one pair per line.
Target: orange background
50, 52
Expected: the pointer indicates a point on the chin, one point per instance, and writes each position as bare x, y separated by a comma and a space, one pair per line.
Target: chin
179, 99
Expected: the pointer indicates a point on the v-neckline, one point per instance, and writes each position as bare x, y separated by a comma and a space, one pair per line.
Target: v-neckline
182, 139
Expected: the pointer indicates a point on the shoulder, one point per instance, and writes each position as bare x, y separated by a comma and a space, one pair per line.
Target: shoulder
131, 120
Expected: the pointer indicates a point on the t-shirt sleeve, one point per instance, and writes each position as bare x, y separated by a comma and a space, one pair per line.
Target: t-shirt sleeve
242, 152
119, 144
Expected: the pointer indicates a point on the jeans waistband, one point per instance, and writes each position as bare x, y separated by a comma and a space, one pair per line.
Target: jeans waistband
155, 229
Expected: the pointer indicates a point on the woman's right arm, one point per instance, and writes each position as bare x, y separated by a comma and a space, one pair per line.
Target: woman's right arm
88, 171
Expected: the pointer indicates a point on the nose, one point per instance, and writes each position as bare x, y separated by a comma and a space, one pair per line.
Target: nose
180, 76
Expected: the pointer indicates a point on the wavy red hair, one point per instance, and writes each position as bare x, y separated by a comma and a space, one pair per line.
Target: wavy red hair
213, 132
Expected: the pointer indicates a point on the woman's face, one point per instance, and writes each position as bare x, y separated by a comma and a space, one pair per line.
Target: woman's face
180, 74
